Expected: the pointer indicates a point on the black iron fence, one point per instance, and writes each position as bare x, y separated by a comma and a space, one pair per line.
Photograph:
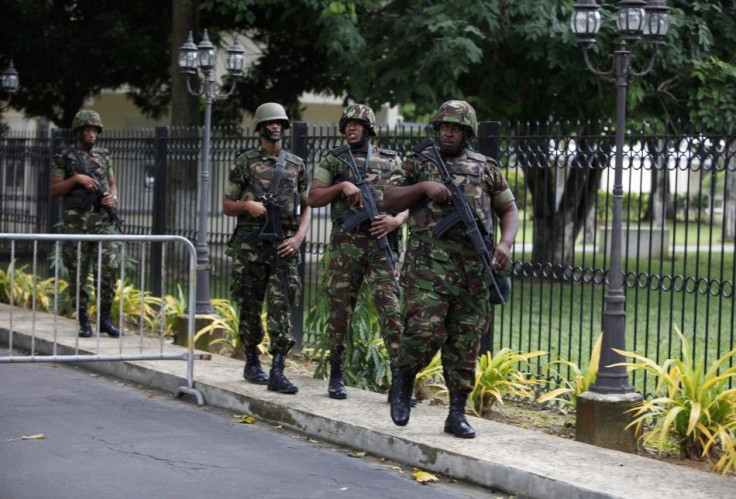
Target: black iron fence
678, 238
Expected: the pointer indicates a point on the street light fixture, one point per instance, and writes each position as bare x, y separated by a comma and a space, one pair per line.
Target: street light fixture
636, 19
10, 82
202, 57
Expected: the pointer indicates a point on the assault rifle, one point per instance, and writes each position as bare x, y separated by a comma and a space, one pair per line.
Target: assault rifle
96, 196
461, 212
369, 211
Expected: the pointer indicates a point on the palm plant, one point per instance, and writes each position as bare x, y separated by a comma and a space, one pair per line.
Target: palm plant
692, 405
566, 391
497, 376
431, 380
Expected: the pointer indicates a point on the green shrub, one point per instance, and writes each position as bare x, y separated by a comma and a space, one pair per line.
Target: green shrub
566, 391
692, 406
497, 377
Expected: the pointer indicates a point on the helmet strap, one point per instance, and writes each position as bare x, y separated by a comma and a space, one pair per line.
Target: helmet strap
364, 140
88, 145
266, 134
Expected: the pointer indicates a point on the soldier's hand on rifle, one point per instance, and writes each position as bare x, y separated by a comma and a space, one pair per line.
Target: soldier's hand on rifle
289, 247
256, 209
384, 225
86, 182
437, 192
501, 255
352, 193
108, 199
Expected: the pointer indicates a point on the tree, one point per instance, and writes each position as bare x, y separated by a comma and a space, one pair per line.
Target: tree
68, 51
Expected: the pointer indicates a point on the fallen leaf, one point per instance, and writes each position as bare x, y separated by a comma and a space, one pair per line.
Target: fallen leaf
357, 454
424, 477
247, 420
279, 426
39, 436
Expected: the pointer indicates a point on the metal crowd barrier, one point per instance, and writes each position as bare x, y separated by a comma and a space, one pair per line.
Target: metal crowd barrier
145, 348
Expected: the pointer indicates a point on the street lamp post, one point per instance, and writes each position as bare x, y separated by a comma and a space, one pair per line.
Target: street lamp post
202, 56
10, 83
636, 19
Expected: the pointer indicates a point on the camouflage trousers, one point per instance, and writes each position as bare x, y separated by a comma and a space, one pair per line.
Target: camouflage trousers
355, 259
447, 308
256, 279
81, 258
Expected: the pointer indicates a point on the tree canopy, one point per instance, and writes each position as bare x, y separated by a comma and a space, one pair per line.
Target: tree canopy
67, 51
513, 59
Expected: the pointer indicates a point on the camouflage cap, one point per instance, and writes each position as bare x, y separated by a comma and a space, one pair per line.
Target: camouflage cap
86, 117
359, 112
456, 111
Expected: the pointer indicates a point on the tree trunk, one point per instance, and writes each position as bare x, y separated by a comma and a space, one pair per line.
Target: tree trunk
183, 173
562, 196
184, 106
729, 196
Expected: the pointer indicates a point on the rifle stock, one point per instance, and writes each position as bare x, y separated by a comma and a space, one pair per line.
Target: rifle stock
461, 212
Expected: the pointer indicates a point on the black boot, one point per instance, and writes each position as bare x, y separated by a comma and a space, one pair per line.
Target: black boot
456, 422
85, 330
394, 380
336, 388
277, 382
106, 325
252, 371
401, 397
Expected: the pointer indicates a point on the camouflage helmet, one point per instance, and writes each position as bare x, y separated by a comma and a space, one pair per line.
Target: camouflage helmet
359, 112
87, 117
456, 111
270, 111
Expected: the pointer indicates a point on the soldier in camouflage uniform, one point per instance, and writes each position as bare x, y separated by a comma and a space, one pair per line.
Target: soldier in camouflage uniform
447, 289
256, 273
354, 254
97, 185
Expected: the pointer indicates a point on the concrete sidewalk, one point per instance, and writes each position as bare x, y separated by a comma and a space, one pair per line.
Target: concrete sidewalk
521, 462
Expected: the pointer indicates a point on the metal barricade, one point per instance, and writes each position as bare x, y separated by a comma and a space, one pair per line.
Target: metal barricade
144, 348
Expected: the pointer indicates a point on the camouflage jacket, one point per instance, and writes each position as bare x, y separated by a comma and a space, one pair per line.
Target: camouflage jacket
97, 162
478, 176
331, 171
250, 177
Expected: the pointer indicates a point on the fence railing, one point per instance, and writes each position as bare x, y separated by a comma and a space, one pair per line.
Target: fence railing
679, 222
64, 344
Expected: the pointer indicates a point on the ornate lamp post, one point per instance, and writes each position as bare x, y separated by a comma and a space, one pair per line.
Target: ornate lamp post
10, 83
636, 19
202, 56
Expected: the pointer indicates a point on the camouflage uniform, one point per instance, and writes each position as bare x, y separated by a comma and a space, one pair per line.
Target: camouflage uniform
447, 297
447, 288
355, 256
94, 220
255, 276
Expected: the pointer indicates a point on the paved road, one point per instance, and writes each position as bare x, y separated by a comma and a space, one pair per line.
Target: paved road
108, 439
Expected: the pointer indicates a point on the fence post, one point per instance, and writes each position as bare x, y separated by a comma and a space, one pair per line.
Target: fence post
299, 146
57, 136
159, 207
43, 182
489, 144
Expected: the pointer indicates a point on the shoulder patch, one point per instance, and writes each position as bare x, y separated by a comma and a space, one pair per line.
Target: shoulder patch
476, 155
387, 152
293, 158
252, 153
